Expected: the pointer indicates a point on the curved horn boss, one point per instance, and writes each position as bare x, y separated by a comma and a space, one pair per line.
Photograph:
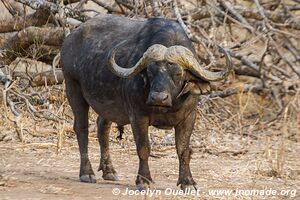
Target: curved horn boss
154, 53
175, 54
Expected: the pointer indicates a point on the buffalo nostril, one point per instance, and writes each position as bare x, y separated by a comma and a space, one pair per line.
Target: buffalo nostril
159, 99
159, 96
153, 97
164, 97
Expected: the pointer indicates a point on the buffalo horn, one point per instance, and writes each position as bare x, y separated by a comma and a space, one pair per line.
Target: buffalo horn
154, 53
175, 54
184, 57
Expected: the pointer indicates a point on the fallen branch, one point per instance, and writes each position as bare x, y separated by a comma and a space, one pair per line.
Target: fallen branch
4, 79
40, 4
54, 8
23, 39
227, 5
27, 67
125, 3
287, 61
44, 53
38, 73
39, 18
180, 21
233, 91
109, 8
275, 16
48, 78
66, 2
13, 7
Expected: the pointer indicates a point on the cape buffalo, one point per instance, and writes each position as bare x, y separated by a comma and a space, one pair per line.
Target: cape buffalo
139, 72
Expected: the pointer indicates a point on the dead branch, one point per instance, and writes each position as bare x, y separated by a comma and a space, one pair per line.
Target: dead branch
274, 16
39, 18
23, 39
40, 4
14, 8
109, 8
4, 79
27, 67
229, 92
200, 13
290, 64
155, 7
54, 8
254, 69
125, 4
44, 53
179, 19
240, 69
293, 50
73, 22
48, 78
36, 72
227, 5
66, 2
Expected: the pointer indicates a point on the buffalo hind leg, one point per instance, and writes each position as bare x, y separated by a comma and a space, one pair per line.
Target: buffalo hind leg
106, 166
183, 133
140, 131
80, 110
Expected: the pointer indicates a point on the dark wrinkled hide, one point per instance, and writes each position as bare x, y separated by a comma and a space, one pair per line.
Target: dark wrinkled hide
149, 98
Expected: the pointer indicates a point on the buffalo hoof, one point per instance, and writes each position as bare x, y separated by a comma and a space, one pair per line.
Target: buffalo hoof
142, 186
111, 177
187, 187
88, 178
187, 183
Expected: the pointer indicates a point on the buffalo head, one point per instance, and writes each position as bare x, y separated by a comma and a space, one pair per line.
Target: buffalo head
172, 72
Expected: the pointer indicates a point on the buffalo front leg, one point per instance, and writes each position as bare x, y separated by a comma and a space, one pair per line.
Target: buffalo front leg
140, 131
80, 110
183, 133
106, 166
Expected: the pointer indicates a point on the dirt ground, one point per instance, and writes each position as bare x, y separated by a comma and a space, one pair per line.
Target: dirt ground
36, 171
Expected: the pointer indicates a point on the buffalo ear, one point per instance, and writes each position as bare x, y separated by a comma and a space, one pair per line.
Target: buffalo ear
195, 88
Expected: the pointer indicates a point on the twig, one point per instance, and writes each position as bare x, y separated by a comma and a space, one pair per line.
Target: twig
5, 80
244, 60
262, 74
53, 8
109, 8
39, 18
293, 50
23, 39
179, 19
13, 8
223, 14
227, 5
273, 17
287, 61
40, 4
128, 6
233, 91
154, 7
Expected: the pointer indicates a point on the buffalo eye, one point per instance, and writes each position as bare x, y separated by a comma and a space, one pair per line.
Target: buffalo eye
170, 65
177, 77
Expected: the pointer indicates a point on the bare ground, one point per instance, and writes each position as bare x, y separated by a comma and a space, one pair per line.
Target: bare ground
37, 171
